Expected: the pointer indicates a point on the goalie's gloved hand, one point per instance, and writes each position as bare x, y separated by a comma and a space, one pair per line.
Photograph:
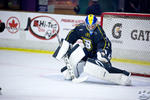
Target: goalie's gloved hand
101, 55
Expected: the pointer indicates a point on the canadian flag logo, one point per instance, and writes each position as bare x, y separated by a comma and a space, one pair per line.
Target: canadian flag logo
13, 24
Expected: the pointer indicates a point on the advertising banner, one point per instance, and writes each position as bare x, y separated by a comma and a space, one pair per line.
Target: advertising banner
47, 26
12, 22
132, 34
40, 27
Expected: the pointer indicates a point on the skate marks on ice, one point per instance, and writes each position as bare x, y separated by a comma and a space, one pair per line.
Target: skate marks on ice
45, 66
37, 77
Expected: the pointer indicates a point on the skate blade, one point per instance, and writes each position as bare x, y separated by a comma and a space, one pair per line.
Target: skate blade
80, 79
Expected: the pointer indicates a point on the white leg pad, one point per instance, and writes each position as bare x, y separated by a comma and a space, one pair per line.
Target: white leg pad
101, 73
61, 50
75, 57
67, 75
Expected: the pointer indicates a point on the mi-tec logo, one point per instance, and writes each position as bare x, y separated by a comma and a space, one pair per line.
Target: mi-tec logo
43, 27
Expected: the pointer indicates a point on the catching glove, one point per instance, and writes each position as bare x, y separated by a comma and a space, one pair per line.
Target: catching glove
102, 56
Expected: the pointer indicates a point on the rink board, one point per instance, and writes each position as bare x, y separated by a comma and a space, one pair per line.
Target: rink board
27, 31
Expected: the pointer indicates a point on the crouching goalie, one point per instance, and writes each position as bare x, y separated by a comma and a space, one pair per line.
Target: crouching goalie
95, 56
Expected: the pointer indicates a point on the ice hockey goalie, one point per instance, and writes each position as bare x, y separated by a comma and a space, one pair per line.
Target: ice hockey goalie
94, 58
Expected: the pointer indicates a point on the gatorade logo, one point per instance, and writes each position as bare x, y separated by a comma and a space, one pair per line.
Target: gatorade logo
116, 31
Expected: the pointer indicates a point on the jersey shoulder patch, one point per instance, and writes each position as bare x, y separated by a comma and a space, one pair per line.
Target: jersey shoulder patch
81, 27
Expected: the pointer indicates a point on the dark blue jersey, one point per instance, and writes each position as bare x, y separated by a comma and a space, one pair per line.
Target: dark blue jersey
93, 43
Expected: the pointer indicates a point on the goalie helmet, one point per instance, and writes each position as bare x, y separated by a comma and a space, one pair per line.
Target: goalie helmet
90, 22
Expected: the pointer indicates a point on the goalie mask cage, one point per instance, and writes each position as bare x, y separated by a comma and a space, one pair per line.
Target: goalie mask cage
130, 37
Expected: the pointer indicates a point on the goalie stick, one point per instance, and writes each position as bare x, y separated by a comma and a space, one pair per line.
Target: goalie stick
70, 68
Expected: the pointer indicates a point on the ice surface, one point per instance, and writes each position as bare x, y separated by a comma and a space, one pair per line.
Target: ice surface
32, 76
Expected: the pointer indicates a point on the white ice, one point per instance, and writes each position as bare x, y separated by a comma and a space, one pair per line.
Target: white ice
33, 76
